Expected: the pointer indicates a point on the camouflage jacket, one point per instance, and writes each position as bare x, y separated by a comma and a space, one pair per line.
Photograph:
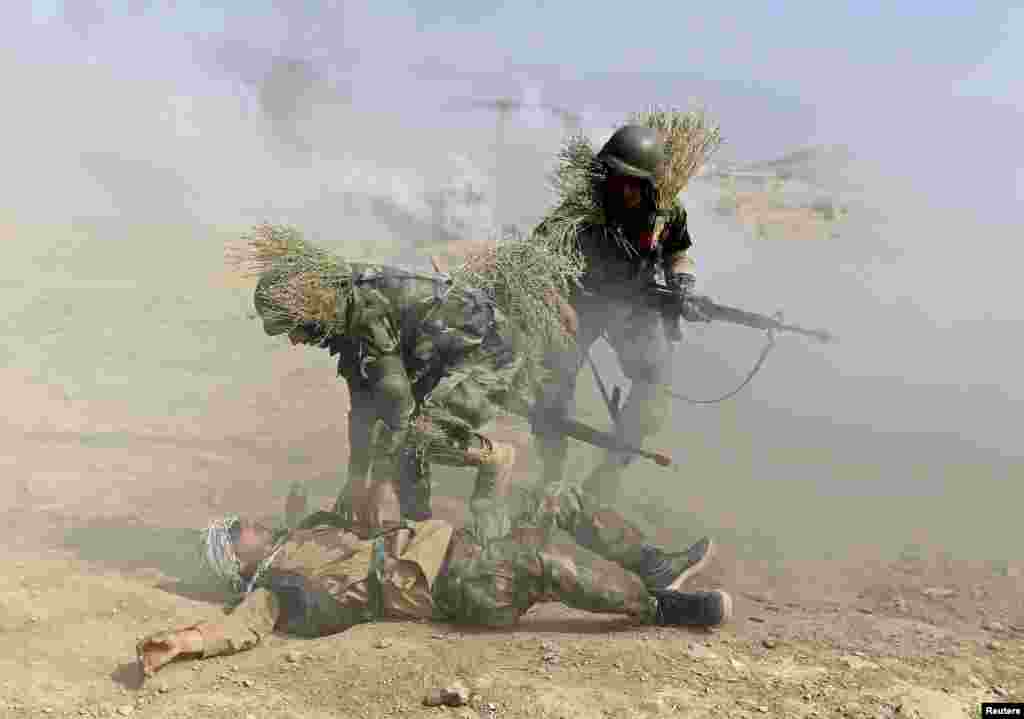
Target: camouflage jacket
324, 579
418, 318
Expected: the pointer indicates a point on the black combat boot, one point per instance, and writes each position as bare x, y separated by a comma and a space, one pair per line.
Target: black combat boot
664, 570
692, 609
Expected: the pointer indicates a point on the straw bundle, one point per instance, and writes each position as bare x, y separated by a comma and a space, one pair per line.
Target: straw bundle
691, 138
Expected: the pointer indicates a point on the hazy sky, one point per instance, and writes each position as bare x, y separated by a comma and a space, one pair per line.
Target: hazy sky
909, 77
946, 47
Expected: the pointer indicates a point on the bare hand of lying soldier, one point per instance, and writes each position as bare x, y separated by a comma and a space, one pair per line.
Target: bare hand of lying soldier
157, 650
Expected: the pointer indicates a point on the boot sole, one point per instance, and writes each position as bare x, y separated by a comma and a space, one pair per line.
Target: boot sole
693, 569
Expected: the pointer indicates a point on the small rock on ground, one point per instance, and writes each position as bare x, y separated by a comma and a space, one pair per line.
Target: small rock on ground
454, 695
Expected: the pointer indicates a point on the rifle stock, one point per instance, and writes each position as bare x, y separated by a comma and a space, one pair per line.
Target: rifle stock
605, 440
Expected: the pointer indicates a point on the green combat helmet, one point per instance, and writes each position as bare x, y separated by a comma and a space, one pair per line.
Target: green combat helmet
634, 151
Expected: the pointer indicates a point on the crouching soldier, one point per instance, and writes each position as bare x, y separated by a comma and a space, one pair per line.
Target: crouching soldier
433, 360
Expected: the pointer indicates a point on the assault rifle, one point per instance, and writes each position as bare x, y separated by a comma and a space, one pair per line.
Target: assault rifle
671, 303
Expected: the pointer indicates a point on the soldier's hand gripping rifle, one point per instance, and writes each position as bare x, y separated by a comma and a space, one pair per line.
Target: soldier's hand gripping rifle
675, 305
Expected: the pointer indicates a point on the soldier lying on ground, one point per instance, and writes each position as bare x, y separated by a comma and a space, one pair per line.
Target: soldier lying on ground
323, 578
428, 363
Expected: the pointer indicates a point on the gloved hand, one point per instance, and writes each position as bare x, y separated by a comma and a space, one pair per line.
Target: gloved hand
682, 283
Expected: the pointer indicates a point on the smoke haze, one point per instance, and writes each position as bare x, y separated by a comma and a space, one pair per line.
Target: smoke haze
137, 140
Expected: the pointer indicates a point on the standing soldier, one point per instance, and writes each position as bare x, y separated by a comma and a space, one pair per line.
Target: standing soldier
619, 210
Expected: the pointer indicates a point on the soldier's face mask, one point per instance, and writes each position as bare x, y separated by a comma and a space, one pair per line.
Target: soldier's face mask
629, 202
629, 190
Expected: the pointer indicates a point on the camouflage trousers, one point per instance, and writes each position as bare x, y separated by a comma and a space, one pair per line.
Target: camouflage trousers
442, 429
445, 432
362, 417
495, 583
638, 337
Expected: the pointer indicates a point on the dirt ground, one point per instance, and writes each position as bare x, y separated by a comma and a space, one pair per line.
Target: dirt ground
100, 506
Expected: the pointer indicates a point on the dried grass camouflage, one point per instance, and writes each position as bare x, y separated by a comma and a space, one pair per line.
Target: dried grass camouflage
691, 138
522, 274
299, 282
302, 283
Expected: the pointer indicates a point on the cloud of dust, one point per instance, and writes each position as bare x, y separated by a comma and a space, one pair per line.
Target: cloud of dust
300, 121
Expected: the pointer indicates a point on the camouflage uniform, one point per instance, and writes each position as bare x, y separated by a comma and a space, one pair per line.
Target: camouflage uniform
426, 367
324, 579
362, 417
606, 567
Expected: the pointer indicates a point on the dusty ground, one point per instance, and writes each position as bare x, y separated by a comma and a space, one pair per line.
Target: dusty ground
98, 506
